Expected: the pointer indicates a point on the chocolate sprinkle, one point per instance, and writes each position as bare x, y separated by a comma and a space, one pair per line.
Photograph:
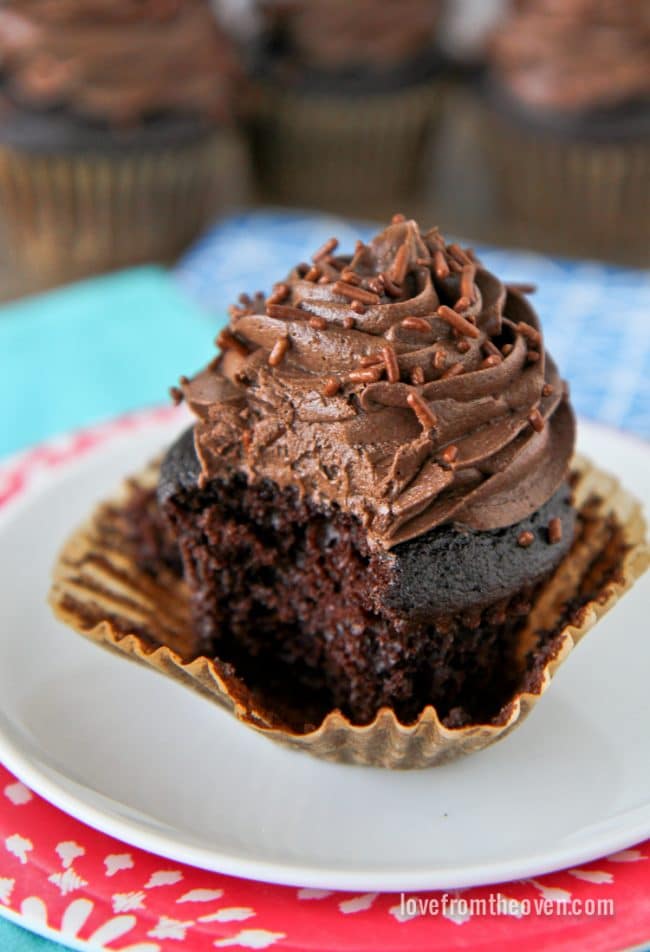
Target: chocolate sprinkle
375, 284
285, 312
536, 420
354, 293
366, 375
226, 340
467, 275
460, 256
176, 394
330, 245
440, 266
454, 371
522, 288
526, 538
459, 323
416, 324
400, 265
439, 360
392, 289
278, 351
280, 294
449, 454
490, 348
332, 386
422, 410
533, 335
392, 366
555, 531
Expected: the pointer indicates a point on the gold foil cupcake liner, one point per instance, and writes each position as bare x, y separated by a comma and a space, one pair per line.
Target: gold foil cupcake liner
99, 591
67, 215
579, 197
343, 153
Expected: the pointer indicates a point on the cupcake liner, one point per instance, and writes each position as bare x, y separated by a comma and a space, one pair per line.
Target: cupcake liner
344, 153
582, 196
68, 214
99, 591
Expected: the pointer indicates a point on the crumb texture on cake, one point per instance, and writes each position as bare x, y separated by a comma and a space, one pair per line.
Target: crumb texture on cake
303, 595
100, 590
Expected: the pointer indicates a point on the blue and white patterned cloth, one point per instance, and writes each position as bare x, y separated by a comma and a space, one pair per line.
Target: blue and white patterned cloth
596, 318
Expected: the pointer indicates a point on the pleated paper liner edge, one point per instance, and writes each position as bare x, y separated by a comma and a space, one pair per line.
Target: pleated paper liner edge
99, 591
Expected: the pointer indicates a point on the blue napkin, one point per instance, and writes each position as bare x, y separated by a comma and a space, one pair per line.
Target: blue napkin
92, 350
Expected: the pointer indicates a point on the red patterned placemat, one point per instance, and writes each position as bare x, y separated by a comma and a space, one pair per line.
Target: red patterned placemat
60, 873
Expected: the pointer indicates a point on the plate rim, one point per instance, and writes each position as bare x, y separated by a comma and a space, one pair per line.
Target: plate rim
631, 827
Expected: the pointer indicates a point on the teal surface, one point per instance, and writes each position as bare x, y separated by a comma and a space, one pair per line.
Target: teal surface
85, 353
90, 351
15, 939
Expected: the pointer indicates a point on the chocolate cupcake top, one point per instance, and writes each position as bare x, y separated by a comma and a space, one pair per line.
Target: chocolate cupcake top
335, 35
117, 62
404, 383
575, 55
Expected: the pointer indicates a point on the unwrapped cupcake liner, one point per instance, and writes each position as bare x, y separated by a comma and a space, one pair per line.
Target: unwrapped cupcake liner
579, 196
99, 590
346, 153
69, 214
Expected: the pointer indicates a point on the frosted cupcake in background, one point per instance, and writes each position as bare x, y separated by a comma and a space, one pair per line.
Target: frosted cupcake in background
568, 130
112, 130
348, 95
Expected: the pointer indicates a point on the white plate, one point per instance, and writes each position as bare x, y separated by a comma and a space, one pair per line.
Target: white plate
149, 762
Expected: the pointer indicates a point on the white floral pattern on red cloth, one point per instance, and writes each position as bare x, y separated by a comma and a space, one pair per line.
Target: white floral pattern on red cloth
57, 872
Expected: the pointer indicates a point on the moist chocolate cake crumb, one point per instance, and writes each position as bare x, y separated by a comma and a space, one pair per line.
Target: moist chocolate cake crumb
310, 613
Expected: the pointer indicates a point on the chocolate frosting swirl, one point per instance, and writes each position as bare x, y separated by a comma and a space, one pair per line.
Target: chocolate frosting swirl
405, 384
575, 55
117, 62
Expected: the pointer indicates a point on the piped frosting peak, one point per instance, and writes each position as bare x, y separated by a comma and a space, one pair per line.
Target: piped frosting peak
403, 382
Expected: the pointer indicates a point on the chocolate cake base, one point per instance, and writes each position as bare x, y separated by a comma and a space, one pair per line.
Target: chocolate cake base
302, 600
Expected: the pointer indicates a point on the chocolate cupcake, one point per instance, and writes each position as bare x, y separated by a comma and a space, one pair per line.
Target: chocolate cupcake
568, 124
367, 543
348, 95
113, 138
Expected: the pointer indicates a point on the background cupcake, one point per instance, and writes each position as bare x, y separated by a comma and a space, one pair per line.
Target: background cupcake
347, 98
568, 131
112, 141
